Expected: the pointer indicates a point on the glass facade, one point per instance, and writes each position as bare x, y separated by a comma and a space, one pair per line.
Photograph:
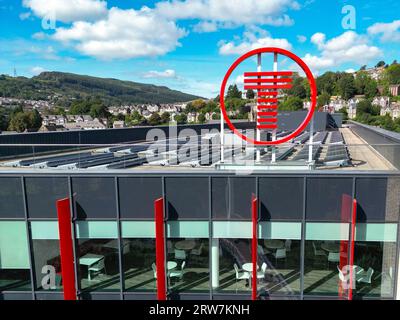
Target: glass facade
304, 231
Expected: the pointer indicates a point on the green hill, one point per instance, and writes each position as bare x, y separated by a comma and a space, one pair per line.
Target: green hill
67, 86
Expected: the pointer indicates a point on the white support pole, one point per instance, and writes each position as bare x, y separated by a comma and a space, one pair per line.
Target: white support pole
222, 136
273, 158
258, 133
311, 141
215, 263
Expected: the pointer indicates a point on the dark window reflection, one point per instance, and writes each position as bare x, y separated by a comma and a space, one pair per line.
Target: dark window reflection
94, 197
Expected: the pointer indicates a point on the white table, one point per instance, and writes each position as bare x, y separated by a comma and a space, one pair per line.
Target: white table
248, 267
90, 259
274, 244
330, 246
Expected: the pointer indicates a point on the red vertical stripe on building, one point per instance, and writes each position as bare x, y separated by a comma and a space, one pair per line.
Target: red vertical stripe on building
344, 244
352, 239
160, 248
254, 249
66, 249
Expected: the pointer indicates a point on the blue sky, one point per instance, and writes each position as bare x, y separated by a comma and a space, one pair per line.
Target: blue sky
189, 44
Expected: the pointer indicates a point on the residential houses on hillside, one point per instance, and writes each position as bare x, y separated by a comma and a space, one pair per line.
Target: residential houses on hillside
72, 122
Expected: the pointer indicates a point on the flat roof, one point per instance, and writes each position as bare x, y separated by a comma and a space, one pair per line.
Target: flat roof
340, 151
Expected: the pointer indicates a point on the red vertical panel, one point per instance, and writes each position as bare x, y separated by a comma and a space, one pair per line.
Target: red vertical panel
352, 238
66, 249
345, 218
160, 248
254, 248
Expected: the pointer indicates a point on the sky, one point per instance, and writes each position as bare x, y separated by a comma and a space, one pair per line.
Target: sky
188, 45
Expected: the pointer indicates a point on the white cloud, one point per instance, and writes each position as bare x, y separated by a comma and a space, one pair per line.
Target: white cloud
269, 12
123, 34
37, 70
68, 11
301, 38
388, 32
252, 39
169, 73
348, 47
39, 36
351, 70
239, 80
24, 15
205, 26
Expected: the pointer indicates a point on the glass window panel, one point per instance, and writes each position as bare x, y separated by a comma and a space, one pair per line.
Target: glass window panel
232, 229
378, 199
328, 199
229, 258
96, 229
137, 196
187, 229
42, 194
384, 232
231, 198
14, 257
325, 245
98, 255
376, 262
94, 197
139, 255
188, 265
138, 229
46, 255
187, 198
279, 230
273, 195
327, 231
11, 200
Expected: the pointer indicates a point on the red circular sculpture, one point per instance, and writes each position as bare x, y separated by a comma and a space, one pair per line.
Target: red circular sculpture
311, 81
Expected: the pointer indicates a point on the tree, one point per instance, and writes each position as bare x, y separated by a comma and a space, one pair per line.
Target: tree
392, 74
80, 107
155, 119
345, 113
364, 67
365, 107
323, 99
165, 117
181, 118
201, 118
3, 119
233, 92
327, 83
198, 104
250, 94
371, 89
380, 64
291, 104
19, 122
35, 120
297, 88
99, 110
346, 86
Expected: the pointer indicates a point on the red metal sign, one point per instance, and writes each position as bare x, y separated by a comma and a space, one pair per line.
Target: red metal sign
267, 86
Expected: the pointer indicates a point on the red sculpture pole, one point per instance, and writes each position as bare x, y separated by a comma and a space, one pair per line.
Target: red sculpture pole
254, 249
160, 249
66, 249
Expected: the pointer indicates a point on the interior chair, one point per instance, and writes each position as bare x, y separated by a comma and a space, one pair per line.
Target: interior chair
367, 277
126, 248
261, 274
178, 273
97, 268
198, 251
318, 252
279, 254
333, 257
170, 248
240, 275
180, 254
288, 245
